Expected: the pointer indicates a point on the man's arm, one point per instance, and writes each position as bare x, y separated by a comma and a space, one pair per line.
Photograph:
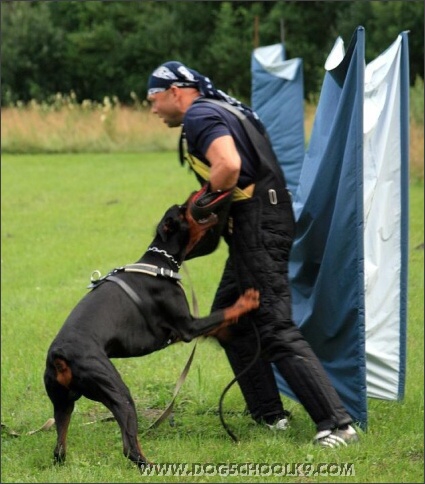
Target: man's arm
225, 163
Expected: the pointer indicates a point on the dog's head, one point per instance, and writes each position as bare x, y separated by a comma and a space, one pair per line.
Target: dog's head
198, 230
172, 232
178, 232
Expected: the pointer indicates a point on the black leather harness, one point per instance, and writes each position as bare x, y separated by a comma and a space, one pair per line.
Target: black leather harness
149, 269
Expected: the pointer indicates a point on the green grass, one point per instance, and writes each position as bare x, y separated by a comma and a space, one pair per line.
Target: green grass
64, 216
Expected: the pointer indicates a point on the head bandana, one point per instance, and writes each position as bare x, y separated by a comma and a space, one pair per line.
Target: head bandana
177, 74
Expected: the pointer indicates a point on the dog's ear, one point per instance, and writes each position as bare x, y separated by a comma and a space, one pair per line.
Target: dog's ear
171, 222
167, 227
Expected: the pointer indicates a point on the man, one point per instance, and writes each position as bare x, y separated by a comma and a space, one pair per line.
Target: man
229, 152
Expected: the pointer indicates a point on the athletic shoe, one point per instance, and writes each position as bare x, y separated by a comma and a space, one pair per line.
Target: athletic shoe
336, 438
281, 424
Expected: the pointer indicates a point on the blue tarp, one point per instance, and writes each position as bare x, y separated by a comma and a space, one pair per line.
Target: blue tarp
327, 261
348, 266
278, 98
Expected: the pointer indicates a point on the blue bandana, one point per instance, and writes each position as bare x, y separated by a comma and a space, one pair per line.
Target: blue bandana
177, 74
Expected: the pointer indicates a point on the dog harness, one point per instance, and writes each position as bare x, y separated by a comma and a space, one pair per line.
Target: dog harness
96, 280
137, 267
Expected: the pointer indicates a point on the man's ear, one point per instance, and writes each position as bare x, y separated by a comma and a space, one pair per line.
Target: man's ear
175, 91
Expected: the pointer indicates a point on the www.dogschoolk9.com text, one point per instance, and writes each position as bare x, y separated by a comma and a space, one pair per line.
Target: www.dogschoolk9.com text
251, 469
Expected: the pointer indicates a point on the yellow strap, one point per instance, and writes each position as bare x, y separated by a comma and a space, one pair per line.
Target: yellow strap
203, 171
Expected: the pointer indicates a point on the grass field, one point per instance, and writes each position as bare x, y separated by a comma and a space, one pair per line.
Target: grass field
64, 216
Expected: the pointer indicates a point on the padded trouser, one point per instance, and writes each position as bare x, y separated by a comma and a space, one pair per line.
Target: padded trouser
259, 252
258, 385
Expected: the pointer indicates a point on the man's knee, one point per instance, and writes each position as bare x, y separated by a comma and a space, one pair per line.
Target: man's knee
279, 341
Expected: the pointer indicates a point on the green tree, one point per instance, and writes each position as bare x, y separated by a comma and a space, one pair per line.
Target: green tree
229, 50
309, 29
113, 46
383, 22
32, 52
109, 48
167, 31
94, 54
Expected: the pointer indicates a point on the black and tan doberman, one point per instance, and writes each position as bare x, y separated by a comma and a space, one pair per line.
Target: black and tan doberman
135, 310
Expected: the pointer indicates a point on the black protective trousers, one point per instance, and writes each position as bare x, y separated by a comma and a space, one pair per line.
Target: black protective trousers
259, 242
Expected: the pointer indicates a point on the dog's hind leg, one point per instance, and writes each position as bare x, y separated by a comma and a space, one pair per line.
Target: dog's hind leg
63, 400
62, 415
103, 383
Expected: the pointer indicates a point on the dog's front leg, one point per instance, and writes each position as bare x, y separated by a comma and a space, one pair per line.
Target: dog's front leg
216, 321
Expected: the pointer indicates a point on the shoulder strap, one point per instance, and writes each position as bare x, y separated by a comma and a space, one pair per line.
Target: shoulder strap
260, 141
233, 109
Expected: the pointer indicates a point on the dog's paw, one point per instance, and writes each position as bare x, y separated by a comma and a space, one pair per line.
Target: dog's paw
249, 300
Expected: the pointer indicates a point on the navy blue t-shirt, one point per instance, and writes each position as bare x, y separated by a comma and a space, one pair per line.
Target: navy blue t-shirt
204, 122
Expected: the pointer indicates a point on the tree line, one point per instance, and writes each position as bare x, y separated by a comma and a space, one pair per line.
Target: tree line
109, 48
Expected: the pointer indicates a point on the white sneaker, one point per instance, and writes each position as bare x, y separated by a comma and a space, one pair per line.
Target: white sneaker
336, 438
281, 424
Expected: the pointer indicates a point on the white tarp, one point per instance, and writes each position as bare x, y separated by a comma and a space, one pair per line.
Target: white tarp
385, 221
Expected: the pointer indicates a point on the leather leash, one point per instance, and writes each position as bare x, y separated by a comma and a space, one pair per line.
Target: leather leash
176, 391
46, 426
183, 375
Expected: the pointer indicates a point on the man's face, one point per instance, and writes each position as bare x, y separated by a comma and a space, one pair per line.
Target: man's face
165, 105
